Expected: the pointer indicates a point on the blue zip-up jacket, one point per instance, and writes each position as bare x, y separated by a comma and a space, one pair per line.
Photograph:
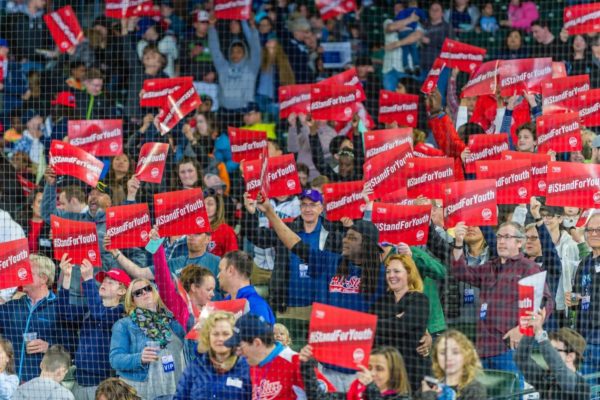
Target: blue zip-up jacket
126, 345
258, 305
91, 358
19, 317
201, 380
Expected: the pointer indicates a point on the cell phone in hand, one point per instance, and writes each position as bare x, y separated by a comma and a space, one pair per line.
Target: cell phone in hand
431, 381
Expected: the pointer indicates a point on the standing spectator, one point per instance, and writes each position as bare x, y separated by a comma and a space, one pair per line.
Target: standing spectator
120, 171
562, 351
462, 17
196, 59
223, 238
595, 64
34, 314
521, 14
393, 66
92, 102
173, 21
54, 366
436, 31
295, 46
9, 381
30, 143
497, 332
153, 33
275, 71
146, 348
580, 56
37, 230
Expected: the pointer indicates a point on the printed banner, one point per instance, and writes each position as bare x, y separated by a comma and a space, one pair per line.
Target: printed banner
484, 80
558, 132
563, 94
380, 141
128, 226
340, 336
151, 162
573, 185
15, 269
246, 144
399, 196
346, 78
585, 216
559, 69
531, 292
589, 108
524, 74
430, 82
463, 56
485, 147
181, 213
402, 224
427, 176
158, 92
513, 179
64, 28
384, 173
581, 19
130, 8
425, 150
332, 8
539, 169
78, 239
294, 99
333, 102
237, 307
251, 174
73, 161
174, 110
233, 9
344, 199
100, 137
473, 202
400, 108
282, 176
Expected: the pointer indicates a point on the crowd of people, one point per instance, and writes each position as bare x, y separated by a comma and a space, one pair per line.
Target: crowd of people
143, 326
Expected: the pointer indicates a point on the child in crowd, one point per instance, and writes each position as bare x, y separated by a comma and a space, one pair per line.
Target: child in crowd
410, 52
9, 381
488, 23
281, 334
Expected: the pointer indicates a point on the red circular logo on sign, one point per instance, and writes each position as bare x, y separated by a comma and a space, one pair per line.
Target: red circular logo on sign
486, 213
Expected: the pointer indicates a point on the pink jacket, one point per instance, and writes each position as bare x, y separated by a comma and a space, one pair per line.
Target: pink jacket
521, 17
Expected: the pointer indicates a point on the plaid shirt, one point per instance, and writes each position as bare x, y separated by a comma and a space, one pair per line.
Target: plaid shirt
498, 284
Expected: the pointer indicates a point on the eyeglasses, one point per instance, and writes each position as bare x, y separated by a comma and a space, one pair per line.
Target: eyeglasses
548, 216
593, 231
141, 291
532, 238
506, 237
210, 192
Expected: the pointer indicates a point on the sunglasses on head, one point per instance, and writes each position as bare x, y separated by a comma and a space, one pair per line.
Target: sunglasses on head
140, 292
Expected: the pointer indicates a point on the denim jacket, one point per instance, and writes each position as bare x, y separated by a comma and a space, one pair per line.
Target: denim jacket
126, 345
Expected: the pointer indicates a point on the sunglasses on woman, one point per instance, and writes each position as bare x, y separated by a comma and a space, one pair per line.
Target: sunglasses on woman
140, 292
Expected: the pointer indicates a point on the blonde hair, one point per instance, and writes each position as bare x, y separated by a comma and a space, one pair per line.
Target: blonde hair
398, 380
471, 364
130, 303
207, 328
415, 283
45, 266
283, 330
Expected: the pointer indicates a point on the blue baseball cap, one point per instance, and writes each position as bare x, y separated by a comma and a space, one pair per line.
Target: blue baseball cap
3, 42
312, 194
248, 327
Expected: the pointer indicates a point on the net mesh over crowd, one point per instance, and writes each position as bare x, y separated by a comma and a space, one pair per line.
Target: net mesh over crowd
299, 199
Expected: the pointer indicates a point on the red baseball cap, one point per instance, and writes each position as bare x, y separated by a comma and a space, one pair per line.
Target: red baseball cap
66, 99
116, 275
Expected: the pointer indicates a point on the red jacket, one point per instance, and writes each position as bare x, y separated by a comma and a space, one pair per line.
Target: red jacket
448, 141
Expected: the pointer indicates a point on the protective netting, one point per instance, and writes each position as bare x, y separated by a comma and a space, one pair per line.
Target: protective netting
278, 200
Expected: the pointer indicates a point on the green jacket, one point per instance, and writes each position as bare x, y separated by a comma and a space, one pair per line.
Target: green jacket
431, 270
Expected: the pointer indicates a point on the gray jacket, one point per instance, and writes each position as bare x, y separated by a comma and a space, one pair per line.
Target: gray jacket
42, 389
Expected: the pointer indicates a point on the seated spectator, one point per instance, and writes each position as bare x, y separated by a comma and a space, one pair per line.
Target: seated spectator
562, 351
217, 372
196, 59
93, 102
546, 43
54, 366
223, 238
456, 364
253, 120
30, 143
189, 174
9, 381
114, 388
462, 16
513, 47
146, 348
488, 22
521, 14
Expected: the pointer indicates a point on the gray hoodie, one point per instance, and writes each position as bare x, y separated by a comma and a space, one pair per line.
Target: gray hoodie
42, 389
236, 81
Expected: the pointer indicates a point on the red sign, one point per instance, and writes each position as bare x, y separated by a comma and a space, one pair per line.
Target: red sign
396, 107
562, 94
100, 137
130, 8
246, 144
399, 196
589, 108
128, 226
513, 180
402, 224
539, 169
485, 147
341, 337
181, 213
237, 307
582, 18
559, 69
524, 74
346, 78
558, 132
526, 295
333, 102
332, 8
64, 28
151, 163
186, 101
344, 199
383, 172
15, 269
484, 80
433, 76
251, 174
473, 202
158, 92
427, 176
377, 142
282, 176
78, 239
73, 161
573, 185
463, 56
233, 9
425, 150
294, 99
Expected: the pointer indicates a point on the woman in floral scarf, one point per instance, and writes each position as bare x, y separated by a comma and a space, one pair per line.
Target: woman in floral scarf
146, 348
